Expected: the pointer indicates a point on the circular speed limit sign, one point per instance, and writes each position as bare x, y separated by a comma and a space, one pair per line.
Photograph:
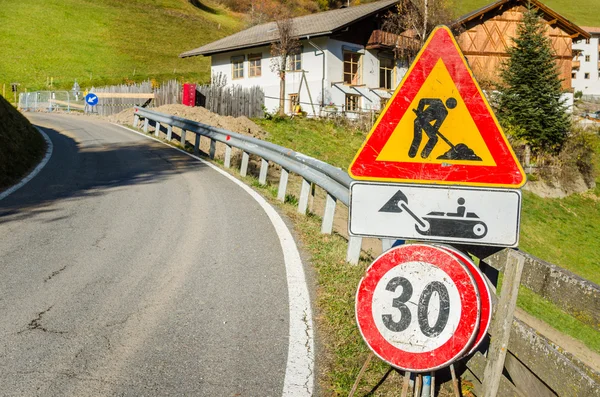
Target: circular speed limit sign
418, 308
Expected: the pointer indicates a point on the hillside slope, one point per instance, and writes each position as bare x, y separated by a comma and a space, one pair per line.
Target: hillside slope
105, 41
21, 146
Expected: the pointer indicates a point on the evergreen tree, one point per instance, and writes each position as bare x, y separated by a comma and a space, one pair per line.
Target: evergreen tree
530, 92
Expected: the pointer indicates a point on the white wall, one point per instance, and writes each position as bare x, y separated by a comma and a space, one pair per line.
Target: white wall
312, 63
589, 86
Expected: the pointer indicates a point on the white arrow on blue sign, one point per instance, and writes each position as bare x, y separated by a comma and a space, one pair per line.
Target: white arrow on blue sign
91, 99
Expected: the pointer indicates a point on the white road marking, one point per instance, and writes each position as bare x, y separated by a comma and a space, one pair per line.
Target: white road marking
299, 373
36, 170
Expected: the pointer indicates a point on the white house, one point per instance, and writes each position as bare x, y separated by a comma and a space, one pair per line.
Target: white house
345, 64
586, 63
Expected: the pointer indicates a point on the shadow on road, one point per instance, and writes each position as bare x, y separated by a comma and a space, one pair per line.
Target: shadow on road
92, 168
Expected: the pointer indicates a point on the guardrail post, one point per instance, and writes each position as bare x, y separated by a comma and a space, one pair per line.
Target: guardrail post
197, 145
169, 132
227, 162
182, 140
304, 193
213, 149
283, 180
386, 244
146, 122
244, 167
327, 225
157, 129
354, 247
264, 167
136, 120
502, 322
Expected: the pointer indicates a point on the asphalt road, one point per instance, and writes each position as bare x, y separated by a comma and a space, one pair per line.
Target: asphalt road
127, 268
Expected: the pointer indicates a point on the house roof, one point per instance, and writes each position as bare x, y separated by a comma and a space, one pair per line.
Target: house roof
319, 24
561, 21
591, 29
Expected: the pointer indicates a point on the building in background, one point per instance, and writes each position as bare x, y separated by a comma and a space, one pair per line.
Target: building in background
585, 76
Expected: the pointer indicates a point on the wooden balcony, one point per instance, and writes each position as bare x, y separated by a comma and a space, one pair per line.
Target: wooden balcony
575, 64
381, 39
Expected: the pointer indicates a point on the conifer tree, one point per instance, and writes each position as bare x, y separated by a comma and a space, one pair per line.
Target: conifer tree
530, 92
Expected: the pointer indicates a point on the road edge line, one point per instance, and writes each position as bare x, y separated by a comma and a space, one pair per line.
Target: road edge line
36, 170
299, 372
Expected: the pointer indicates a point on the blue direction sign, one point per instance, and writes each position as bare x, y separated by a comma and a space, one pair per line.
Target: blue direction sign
91, 99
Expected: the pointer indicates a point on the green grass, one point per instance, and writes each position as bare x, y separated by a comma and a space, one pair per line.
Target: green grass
105, 41
328, 141
21, 146
580, 12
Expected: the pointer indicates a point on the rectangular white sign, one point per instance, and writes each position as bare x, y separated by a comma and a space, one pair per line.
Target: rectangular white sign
463, 215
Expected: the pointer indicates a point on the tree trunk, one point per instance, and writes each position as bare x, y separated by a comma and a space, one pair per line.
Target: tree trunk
282, 93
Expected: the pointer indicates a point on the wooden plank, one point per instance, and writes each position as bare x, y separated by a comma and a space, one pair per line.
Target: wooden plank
476, 366
525, 380
501, 324
575, 295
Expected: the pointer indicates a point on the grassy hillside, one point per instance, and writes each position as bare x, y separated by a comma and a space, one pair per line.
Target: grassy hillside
105, 41
21, 146
581, 12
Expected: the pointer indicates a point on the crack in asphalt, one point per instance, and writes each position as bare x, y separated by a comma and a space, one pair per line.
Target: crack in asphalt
54, 273
36, 324
308, 346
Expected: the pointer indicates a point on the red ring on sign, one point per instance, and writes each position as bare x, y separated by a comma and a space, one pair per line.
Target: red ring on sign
484, 295
467, 327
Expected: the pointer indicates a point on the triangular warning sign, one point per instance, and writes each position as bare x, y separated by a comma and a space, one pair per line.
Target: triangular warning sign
438, 127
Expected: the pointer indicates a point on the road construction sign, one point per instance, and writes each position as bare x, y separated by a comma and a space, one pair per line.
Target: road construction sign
438, 128
453, 214
418, 307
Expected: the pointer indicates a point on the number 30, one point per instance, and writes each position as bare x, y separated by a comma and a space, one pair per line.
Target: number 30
422, 308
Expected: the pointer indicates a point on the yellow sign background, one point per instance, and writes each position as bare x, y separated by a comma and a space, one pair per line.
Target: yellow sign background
458, 127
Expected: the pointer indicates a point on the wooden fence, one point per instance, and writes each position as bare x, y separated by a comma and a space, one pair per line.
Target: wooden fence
232, 101
534, 365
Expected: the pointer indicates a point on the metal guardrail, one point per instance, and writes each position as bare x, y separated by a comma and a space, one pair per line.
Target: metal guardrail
334, 181
529, 370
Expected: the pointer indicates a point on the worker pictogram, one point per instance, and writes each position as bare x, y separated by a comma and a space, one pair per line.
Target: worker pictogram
438, 128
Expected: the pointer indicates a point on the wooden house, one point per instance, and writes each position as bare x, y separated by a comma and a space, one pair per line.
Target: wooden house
485, 34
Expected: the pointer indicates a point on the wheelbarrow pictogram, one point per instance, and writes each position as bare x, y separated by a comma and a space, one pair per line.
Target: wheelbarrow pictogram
461, 224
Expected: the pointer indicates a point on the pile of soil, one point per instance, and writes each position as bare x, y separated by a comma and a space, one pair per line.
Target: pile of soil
242, 125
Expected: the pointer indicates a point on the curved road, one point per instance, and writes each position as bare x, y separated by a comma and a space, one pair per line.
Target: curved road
128, 268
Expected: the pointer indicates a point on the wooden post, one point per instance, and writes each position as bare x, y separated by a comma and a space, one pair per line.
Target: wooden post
136, 120
169, 132
145, 124
264, 167
405, 384
283, 180
244, 167
500, 327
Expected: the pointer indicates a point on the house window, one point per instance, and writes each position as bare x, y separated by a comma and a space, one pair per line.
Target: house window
586, 76
573, 75
351, 68
295, 60
254, 66
386, 69
587, 58
352, 102
587, 41
294, 101
237, 65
